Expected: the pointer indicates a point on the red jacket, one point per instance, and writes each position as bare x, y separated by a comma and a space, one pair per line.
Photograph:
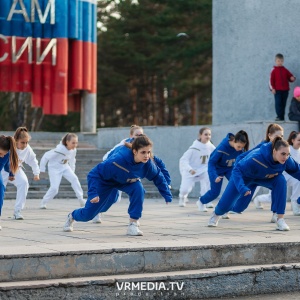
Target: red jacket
280, 78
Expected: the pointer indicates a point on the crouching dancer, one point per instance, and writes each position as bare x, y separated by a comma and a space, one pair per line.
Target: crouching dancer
261, 167
121, 171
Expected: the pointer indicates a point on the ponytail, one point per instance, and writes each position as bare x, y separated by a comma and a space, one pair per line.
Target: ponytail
242, 137
68, 137
13, 156
271, 129
21, 133
292, 136
279, 142
128, 144
7, 143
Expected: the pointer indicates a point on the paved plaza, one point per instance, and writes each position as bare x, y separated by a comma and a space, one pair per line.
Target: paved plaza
163, 226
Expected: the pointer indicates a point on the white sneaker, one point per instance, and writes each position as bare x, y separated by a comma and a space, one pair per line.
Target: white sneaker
82, 202
213, 221
225, 216
43, 205
201, 206
274, 218
210, 205
281, 225
295, 208
133, 229
68, 227
181, 202
97, 219
18, 216
257, 204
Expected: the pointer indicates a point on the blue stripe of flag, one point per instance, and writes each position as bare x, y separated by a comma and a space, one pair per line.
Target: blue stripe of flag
74, 19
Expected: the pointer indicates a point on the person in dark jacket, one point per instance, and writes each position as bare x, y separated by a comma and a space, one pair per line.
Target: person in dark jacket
294, 112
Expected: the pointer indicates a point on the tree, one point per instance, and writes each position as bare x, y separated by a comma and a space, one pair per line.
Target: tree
154, 62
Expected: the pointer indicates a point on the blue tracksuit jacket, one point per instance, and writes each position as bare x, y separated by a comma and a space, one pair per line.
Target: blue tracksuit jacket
159, 163
220, 163
120, 172
258, 168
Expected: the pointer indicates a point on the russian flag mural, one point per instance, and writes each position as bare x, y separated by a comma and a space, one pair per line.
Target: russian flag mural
48, 48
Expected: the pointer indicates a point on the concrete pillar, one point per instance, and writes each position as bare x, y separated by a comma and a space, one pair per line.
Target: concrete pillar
88, 114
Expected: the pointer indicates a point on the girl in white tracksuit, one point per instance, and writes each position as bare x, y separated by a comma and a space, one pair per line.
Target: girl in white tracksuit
193, 167
61, 163
20, 180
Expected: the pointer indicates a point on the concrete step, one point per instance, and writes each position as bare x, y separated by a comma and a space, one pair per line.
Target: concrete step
50, 144
95, 155
107, 262
190, 284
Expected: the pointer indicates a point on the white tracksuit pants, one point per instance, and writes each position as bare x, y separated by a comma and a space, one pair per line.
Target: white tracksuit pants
292, 182
55, 177
22, 185
295, 184
188, 182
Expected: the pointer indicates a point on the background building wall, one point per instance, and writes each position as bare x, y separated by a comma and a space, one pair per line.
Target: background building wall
247, 34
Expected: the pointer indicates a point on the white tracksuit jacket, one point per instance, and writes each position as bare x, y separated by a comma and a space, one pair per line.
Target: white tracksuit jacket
61, 163
195, 158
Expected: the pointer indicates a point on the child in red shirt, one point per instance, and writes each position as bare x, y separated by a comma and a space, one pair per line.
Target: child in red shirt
279, 85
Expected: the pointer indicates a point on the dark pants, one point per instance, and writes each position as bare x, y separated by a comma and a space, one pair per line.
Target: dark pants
295, 118
280, 103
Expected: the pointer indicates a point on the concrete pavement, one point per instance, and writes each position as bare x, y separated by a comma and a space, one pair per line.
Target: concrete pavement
163, 226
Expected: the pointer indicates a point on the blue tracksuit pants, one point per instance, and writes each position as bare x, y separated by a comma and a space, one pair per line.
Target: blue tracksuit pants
232, 200
215, 189
108, 196
2, 192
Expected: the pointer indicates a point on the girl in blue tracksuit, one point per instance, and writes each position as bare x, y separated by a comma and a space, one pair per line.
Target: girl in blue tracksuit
135, 131
159, 163
122, 171
261, 167
221, 162
9, 161
273, 130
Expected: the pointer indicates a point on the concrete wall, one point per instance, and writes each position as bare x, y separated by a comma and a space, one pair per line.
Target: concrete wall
171, 142
246, 36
